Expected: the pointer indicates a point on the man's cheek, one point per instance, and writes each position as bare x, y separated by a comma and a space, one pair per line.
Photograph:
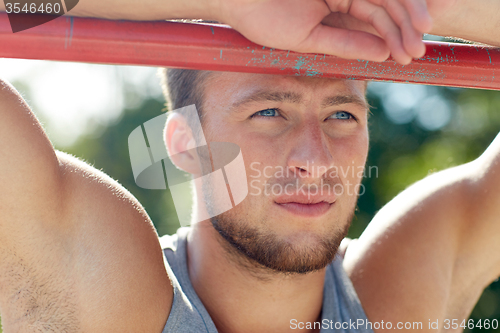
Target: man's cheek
255, 188
254, 170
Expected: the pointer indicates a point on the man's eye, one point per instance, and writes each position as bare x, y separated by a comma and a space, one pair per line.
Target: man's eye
267, 113
342, 115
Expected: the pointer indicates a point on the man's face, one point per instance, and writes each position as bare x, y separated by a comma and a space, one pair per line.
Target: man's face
304, 142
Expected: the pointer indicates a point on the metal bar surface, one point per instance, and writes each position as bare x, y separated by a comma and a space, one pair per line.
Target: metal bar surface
219, 48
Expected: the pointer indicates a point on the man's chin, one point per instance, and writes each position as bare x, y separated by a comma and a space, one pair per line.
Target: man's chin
270, 252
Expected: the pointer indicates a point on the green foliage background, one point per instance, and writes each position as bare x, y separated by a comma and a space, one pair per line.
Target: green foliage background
403, 154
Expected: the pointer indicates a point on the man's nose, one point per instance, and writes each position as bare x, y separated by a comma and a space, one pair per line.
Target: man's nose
310, 156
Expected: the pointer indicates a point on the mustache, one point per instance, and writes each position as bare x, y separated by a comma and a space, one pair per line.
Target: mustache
300, 183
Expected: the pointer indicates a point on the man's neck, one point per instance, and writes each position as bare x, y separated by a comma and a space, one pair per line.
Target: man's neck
240, 299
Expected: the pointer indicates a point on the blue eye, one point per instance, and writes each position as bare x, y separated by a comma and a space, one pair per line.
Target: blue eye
267, 113
342, 115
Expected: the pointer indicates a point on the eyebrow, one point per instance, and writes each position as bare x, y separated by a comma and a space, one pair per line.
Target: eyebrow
344, 99
295, 98
264, 96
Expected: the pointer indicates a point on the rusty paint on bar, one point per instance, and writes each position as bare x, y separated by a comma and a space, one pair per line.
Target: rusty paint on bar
219, 48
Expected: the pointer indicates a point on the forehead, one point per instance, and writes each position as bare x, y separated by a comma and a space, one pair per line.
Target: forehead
224, 88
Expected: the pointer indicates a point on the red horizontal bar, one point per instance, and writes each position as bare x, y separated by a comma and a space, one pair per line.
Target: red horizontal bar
200, 46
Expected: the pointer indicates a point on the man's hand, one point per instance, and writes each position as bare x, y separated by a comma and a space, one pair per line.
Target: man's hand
356, 29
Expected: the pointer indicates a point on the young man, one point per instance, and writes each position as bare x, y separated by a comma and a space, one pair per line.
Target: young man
79, 253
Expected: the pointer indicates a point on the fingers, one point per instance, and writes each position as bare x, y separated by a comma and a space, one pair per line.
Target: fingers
419, 14
412, 38
350, 44
400, 22
386, 27
416, 11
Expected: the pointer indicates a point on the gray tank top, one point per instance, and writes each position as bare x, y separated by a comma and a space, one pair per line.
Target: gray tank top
342, 311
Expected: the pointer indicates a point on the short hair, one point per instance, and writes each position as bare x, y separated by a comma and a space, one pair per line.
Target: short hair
183, 87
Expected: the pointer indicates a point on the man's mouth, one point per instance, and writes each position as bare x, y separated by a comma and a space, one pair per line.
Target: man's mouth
306, 205
307, 210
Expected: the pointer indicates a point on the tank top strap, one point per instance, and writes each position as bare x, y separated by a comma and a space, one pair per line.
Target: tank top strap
187, 314
342, 310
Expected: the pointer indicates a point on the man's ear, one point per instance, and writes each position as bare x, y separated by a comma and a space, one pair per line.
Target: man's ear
181, 144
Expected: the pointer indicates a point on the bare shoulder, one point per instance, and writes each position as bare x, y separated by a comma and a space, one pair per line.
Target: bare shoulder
98, 268
403, 266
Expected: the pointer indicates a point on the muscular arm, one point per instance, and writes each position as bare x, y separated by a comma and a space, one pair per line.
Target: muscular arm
434, 248
144, 10
468, 19
481, 226
29, 168
77, 251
